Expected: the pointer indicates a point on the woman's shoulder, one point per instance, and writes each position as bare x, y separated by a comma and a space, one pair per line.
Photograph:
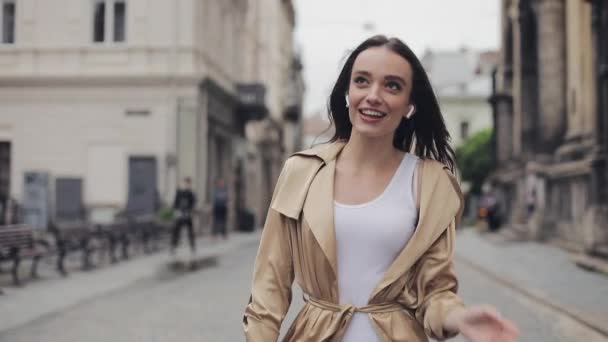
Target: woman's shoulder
324, 152
435, 167
292, 186
311, 158
440, 173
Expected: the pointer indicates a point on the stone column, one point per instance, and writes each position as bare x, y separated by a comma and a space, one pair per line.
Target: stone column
504, 127
596, 218
525, 80
600, 30
502, 88
502, 113
552, 73
516, 80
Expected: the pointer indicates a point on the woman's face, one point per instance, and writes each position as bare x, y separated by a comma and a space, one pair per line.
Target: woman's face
379, 92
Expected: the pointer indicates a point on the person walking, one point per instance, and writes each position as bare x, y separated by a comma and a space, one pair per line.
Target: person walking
184, 203
366, 223
220, 209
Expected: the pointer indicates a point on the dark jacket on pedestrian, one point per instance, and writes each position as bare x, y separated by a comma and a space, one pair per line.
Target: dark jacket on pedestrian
184, 203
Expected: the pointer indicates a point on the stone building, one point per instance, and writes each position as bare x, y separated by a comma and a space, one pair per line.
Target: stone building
105, 105
550, 106
275, 133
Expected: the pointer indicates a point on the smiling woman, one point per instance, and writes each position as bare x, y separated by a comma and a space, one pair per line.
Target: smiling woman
366, 223
401, 82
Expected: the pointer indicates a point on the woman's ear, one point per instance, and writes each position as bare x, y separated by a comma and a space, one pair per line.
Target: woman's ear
346, 99
411, 112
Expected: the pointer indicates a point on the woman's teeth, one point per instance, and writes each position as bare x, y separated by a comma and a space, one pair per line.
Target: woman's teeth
373, 113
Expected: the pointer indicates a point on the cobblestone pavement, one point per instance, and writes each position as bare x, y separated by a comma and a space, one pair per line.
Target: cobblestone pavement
206, 305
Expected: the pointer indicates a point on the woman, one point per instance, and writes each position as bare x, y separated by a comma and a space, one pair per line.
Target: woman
365, 227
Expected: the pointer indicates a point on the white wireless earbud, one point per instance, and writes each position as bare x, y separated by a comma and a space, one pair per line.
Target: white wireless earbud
411, 112
346, 98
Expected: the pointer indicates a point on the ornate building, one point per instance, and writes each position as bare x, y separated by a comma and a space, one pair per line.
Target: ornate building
111, 103
550, 105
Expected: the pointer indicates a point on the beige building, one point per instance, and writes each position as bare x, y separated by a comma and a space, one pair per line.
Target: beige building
273, 62
462, 80
551, 116
114, 102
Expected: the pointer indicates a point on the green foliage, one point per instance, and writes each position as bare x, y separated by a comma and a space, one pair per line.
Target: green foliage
165, 214
474, 159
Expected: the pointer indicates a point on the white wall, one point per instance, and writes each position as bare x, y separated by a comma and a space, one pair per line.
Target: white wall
55, 38
75, 132
455, 110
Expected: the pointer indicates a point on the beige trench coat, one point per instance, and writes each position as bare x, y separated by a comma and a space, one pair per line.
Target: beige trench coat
298, 243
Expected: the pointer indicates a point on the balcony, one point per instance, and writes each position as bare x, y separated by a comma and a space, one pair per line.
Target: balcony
251, 101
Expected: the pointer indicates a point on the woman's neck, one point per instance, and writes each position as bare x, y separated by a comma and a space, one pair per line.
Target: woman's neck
369, 152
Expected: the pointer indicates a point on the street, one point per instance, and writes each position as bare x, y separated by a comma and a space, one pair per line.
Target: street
206, 305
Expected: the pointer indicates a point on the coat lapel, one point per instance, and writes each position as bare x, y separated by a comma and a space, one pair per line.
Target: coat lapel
319, 212
307, 188
440, 203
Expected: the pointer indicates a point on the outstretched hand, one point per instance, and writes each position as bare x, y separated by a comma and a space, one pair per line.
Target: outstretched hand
483, 323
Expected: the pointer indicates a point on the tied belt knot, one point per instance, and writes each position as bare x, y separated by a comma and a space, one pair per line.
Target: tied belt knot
349, 308
345, 313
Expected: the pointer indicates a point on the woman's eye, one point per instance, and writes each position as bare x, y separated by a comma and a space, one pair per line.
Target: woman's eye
360, 80
393, 86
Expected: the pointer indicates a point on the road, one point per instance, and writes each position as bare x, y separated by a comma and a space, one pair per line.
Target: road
206, 305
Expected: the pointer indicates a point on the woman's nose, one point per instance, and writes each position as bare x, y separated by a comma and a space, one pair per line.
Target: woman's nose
373, 97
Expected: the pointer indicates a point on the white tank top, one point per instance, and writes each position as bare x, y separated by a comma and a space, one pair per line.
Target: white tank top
369, 237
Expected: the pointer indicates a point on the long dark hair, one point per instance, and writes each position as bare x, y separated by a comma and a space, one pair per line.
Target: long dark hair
425, 130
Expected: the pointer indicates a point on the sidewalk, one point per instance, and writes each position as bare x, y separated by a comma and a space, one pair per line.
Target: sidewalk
53, 293
541, 272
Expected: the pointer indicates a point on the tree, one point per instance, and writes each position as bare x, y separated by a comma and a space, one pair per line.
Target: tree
474, 159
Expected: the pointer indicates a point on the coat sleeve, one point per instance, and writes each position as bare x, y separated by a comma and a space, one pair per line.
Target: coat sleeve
435, 279
437, 285
273, 276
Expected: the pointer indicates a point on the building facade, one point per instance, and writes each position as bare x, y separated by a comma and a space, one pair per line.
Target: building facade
111, 103
462, 80
274, 63
550, 108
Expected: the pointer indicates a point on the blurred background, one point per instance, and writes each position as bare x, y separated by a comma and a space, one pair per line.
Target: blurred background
121, 120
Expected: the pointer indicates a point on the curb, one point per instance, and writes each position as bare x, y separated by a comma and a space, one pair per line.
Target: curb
590, 263
536, 296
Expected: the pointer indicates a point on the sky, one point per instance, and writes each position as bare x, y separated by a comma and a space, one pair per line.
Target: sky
327, 29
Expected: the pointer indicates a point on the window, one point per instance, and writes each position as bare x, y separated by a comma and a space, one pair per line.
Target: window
464, 130
99, 21
108, 24
7, 22
120, 10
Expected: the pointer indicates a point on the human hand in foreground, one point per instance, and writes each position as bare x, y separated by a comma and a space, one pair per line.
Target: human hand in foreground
481, 323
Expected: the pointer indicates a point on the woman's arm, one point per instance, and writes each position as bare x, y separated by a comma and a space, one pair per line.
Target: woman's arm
436, 284
272, 279
442, 312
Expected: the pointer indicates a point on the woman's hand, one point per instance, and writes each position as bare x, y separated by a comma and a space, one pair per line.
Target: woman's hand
481, 323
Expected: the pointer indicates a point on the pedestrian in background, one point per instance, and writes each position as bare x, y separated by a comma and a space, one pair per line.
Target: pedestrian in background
220, 209
367, 222
490, 207
184, 203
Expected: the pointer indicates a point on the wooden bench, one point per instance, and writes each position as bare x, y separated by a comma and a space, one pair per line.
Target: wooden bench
18, 242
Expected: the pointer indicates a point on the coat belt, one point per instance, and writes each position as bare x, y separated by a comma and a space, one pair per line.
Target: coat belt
349, 308
345, 313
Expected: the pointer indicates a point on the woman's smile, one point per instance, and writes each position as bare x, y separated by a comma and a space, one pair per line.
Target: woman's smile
371, 115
